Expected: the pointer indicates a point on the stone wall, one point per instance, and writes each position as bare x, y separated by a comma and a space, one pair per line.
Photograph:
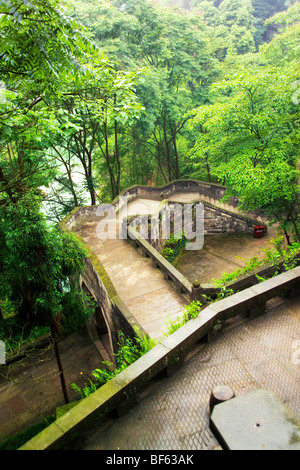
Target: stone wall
117, 317
218, 221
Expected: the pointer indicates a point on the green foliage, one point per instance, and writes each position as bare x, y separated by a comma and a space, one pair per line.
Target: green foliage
42, 52
227, 278
40, 268
276, 252
173, 246
173, 52
224, 292
37, 41
191, 311
129, 351
250, 140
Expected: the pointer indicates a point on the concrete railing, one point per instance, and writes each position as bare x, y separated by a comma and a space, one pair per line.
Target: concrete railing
121, 389
171, 273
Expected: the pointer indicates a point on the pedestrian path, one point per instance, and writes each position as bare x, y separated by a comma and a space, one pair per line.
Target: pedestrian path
172, 413
143, 288
152, 299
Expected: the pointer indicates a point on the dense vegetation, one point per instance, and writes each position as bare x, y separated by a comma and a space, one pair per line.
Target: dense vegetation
98, 95
218, 85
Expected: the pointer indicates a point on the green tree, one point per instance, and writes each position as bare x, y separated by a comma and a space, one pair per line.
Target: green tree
37, 42
251, 139
230, 25
171, 46
42, 50
34, 257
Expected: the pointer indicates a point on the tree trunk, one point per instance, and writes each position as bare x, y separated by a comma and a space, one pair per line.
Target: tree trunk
207, 168
296, 229
167, 148
107, 157
118, 159
76, 202
177, 171
288, 240
59, 365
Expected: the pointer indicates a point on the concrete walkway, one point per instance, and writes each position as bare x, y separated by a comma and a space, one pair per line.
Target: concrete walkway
30, 390
172, 412
143, 288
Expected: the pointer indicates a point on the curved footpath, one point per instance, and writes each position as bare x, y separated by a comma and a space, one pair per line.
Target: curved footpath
142, 287
149, 296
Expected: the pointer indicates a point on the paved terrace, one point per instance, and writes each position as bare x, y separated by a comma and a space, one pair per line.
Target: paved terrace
171, 413
222, 254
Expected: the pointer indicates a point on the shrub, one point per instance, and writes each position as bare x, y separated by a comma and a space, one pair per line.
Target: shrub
191, 311
129, 351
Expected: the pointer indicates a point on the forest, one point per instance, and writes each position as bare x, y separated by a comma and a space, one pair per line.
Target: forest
100, 95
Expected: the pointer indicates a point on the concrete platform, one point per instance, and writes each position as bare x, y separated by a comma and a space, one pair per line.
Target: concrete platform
258, 420
172, 412
222, 254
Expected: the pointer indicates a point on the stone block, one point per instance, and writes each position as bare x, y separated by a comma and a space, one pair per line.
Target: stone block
258, 420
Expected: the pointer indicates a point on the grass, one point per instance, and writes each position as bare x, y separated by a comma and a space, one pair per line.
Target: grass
15, 442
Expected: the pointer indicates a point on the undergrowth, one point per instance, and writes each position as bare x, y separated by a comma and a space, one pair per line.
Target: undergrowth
129, 351
275, 254
191, 311
173, 246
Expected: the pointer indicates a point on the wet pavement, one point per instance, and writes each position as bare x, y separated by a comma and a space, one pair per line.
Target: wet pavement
172, 412
151, 299
30, 390
222, 254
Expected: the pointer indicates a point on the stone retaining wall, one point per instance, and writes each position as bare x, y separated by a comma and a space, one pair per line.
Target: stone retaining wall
116, 315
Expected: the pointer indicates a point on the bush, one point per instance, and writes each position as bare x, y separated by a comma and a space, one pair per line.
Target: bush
173, 246
191, 311
129, 351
